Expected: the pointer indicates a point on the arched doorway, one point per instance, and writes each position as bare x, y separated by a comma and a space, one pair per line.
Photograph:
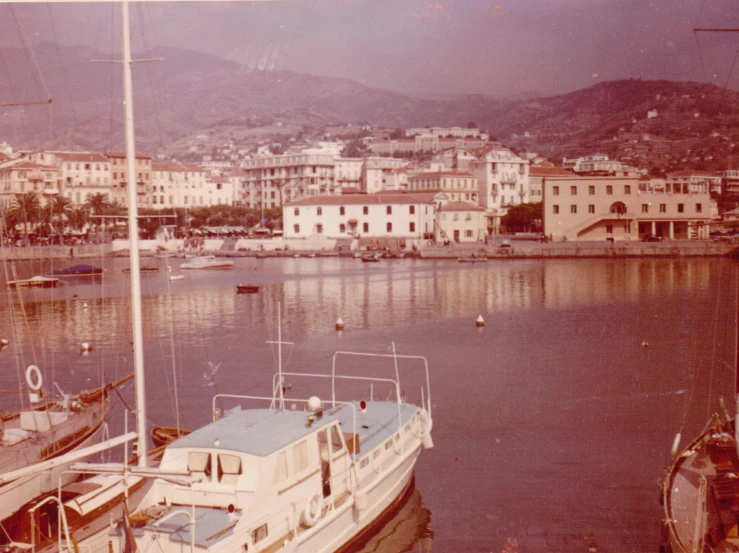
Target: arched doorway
619, 208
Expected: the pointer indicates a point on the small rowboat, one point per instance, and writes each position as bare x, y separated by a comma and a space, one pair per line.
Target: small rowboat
34, 282
247, 288
144, 269
164, 435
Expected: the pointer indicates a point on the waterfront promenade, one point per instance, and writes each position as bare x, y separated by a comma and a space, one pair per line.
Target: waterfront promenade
515, 249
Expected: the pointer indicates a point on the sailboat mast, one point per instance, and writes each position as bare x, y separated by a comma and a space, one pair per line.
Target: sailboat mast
133, 236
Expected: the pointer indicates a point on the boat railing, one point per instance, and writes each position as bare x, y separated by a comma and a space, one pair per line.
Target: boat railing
276, 382
425, 391
273, 406
63, 522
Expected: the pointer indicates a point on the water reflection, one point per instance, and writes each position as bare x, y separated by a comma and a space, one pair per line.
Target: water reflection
405, 529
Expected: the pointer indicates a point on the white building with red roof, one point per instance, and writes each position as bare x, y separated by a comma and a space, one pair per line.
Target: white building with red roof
459, 186
80, 173
384, 215
460, 222
20, 176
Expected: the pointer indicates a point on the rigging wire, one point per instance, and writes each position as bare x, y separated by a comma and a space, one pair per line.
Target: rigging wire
30, 55
154, 89
65, 77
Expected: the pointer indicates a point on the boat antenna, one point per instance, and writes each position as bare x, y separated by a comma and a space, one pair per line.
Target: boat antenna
279, 342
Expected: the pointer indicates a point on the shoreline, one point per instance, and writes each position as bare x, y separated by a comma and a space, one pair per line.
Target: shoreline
518, 249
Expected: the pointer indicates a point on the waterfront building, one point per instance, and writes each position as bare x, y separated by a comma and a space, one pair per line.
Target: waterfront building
536, 178
143, 171
503, 181
730, 182
383, 173
20, 176
271, 181
384, 215
622, 208
178, 185
80, 174
348, 172
460, 221
219, 190
457, 186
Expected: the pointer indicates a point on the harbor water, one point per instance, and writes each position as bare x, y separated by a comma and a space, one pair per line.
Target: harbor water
553, 422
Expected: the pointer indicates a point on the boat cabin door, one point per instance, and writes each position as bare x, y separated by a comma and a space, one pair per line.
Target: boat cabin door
325, 455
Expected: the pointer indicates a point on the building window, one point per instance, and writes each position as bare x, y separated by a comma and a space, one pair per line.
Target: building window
609, 190
319, 211
627, 189
412, 227
389, 210
573, 209
573, 190
555, 209
663, 208
365, 210
319, 229
555, 190
342, 228
365, 227
591, 208
412, 209
699, 208
468, 234
591, 190
680, 208
390, 227
645, 208
609, 229
342, 210
297, 211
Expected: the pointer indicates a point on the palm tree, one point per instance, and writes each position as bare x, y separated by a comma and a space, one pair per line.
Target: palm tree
25, 209
60, 208
45, 219
78, 217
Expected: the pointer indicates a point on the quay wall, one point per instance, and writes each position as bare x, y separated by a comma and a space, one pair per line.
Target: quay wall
282, 248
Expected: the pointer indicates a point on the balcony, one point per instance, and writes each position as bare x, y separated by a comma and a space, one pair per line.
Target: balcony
50, 191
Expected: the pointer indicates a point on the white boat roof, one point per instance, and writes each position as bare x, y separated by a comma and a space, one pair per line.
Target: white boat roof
261, 432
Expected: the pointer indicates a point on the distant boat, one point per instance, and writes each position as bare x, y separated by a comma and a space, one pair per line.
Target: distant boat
206, 263
173, 278
77, 271
247, 288
371, 258
35, 282
144, 269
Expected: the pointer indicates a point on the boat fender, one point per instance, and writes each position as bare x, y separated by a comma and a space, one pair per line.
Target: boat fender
313, 510
360, 501
426, 424
33, 378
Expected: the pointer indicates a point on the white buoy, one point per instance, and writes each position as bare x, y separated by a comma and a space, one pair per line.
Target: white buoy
480, 321
84, 305
85, 347
339, 324
4, 342
645, 344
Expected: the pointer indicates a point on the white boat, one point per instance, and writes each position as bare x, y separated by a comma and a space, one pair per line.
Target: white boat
37, 281
207, 263
271, 478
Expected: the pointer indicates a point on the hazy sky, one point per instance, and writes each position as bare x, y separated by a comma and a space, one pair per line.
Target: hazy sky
454, 46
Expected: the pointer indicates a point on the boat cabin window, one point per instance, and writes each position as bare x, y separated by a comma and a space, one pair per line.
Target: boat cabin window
388, 444
258, 534
336, 442
300, 457
199, 463
229, 468
281, 472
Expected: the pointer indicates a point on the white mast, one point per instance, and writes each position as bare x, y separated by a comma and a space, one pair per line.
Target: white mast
133, 236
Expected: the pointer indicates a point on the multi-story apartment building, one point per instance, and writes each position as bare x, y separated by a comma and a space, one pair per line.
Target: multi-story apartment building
622, 208
385, 215
460, 222
178, 185
273, 180
20, 176
348, 172
536, 178
503, 181
457, 186
143, 178
423, 143
81, 174
730, 182
695, 180
382, 173
219, 191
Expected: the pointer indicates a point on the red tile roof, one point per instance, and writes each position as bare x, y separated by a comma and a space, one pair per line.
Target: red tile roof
460, 206
30, 165
549, 172
82, 156
123, 155
364, 199
439, 174
176, 167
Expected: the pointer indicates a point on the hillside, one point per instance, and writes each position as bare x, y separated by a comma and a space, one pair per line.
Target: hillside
190, 94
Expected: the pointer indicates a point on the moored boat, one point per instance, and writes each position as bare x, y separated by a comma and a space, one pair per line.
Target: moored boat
472, 259
247, 288
207, 263
165, 435
371, 258
77, 271
143, 269
37, 281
